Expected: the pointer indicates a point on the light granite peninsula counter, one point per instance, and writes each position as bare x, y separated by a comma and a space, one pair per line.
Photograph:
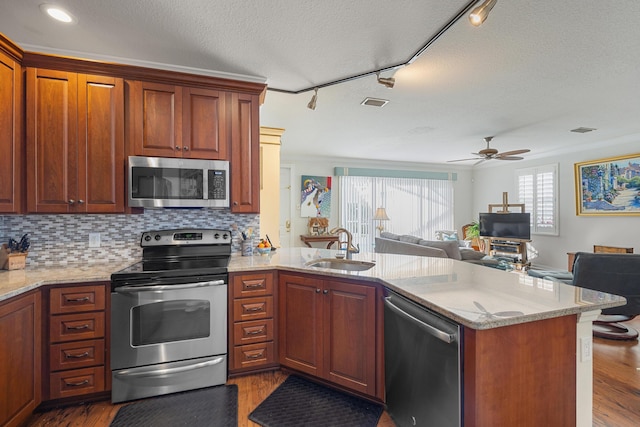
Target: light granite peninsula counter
533, 368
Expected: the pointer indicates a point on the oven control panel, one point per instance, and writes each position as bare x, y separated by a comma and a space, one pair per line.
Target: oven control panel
180, 237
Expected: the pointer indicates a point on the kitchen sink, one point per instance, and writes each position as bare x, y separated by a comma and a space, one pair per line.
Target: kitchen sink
341, 264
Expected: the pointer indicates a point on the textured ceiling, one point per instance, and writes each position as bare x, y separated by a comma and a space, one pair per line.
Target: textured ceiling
531, 73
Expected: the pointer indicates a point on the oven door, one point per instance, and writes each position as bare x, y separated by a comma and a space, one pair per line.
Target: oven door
159, 323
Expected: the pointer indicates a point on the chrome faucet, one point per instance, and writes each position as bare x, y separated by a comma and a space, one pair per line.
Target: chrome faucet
350, 249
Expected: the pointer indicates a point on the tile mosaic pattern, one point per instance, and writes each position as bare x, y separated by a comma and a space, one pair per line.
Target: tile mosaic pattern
64, 239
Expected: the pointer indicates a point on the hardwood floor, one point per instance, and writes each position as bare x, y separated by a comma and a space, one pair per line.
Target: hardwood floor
616, 392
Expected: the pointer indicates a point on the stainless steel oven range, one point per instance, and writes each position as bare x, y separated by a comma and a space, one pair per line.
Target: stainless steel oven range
169, 315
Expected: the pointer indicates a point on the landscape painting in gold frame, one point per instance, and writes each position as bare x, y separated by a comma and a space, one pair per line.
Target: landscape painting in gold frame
608, 186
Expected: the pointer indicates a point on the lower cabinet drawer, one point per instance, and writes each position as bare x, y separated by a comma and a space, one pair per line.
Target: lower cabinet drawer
253, 355
253, 331
252, 308
76, 382
73, 355
81, 326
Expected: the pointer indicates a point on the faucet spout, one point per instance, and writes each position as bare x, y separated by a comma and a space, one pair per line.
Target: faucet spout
350, 249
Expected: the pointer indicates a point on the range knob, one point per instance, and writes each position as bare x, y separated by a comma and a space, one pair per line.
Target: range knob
225, 236
147, 238
216, 236
157, 237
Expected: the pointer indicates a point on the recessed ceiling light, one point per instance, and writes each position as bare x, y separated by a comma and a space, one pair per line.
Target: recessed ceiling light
58, 13
582, 130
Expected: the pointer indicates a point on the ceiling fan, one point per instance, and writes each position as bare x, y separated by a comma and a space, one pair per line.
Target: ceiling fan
491, 153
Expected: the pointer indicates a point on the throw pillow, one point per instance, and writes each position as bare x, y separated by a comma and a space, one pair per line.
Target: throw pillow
470, 254
409, 239
450, 247
387, 235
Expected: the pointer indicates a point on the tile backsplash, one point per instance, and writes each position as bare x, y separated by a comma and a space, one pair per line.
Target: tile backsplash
64, 239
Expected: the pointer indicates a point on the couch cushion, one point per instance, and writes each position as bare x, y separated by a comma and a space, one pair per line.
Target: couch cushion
410, 239
450, 247
389, 246
387, 235
470, 254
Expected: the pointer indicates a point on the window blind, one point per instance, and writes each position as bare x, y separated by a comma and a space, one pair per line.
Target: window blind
538, 190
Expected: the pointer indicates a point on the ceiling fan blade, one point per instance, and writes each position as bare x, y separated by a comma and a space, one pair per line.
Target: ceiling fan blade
462, 160
509, 158
513, 153
481, 160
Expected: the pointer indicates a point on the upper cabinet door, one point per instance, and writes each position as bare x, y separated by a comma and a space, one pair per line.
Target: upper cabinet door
10, 135
245, 153
52, 151
155, 119
101, 143
204, 124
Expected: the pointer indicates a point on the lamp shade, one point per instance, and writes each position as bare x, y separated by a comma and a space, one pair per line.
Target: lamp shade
381, 215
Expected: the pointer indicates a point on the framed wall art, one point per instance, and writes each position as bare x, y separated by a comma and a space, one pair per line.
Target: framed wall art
608, 186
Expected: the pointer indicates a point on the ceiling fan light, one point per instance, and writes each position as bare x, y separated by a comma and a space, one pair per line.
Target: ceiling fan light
480, 13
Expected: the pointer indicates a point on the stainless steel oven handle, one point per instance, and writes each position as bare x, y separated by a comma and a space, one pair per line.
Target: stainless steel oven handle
155, 372
146, 288
432, 330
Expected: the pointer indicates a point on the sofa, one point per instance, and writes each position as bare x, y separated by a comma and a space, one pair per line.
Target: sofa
390, 243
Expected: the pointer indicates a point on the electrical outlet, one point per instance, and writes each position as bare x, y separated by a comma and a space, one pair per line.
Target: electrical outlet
586, 349
94, 240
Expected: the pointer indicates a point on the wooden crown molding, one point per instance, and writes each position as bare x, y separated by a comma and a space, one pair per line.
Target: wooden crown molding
10, 48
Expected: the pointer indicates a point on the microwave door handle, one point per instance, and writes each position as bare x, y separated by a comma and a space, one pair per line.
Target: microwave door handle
151, 287
155, 372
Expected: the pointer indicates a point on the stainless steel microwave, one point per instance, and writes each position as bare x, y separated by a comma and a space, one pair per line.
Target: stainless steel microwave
160, 182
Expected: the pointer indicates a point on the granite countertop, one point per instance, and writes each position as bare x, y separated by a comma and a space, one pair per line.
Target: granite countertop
451, 288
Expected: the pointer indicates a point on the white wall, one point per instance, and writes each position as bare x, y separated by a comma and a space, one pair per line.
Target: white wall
319, 166
576, 233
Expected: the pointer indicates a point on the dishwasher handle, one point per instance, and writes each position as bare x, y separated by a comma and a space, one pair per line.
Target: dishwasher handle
431, 330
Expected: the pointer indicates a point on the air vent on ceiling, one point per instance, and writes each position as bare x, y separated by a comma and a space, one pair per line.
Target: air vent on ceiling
582, 130
374, 102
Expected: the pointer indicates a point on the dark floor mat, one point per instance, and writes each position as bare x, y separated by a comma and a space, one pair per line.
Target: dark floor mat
298, 402
213, 406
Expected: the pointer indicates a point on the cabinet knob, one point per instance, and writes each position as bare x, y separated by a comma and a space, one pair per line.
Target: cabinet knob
326, 291
71, 201
185, 148
80, 201
177, 147
317, 291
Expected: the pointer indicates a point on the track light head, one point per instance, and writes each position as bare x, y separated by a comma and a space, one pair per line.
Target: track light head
480, 13
312, 104
386, 81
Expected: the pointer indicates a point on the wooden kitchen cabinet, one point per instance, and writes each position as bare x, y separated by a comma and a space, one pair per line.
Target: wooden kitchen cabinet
77, 353
328, 328
11, 140
75, 142
251, 322
20, 358
176, 121
245, 153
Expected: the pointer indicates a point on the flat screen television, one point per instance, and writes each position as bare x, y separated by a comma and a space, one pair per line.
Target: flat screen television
507, 226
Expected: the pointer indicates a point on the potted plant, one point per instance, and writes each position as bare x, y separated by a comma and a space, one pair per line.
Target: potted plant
472, 232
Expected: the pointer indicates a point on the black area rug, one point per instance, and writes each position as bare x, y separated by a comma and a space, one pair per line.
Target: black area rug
298, 402
213, 406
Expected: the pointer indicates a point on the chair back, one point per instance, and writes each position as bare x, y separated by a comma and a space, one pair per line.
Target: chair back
613, 273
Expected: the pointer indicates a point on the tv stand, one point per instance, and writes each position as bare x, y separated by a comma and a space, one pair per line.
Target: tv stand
510, 248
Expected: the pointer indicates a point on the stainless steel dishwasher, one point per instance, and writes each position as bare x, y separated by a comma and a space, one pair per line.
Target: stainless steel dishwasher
422, 365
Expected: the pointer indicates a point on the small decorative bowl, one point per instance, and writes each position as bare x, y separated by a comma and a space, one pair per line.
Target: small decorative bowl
264, 251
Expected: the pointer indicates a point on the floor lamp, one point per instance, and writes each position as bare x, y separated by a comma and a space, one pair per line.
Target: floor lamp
380, 215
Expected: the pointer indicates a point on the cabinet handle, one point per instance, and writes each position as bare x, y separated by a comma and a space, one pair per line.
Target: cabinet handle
71, 201
253, 285
326, 291
185, 148
257, 332
77, 356
75, 328
254, 356
253, 309
77, 299
76, 384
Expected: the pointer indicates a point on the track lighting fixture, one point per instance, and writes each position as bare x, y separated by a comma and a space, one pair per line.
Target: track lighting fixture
386, 81
312, 104
480, 13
